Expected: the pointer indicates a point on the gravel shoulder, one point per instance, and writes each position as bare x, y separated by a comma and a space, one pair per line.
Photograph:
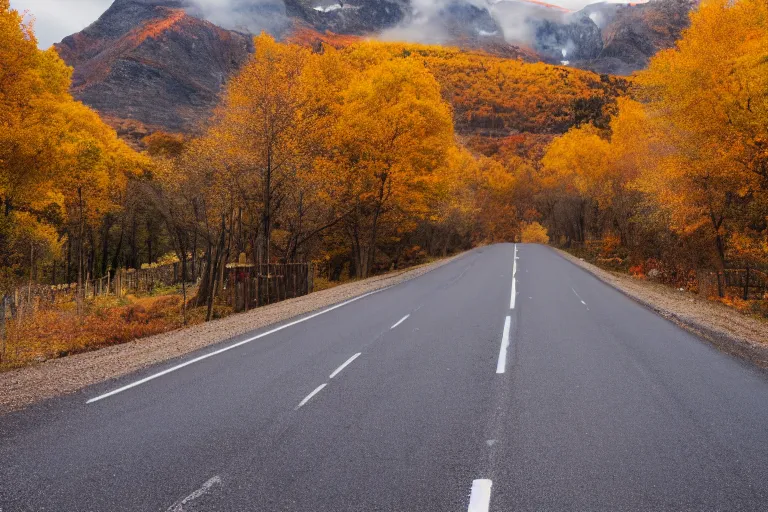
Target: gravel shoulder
725, 328
24, 386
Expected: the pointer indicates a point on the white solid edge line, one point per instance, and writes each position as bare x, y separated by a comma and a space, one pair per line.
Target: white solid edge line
502, 364
400, 321
514, 294
230, 347
480, 496
346, 363
309, 396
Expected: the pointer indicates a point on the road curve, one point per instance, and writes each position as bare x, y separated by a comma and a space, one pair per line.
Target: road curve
466, 389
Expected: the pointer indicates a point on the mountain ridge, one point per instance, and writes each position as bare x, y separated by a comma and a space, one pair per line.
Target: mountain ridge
160, 64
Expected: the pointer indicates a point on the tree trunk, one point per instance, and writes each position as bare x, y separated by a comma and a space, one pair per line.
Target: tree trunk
215, 268
80, 254
105, 243
68, 269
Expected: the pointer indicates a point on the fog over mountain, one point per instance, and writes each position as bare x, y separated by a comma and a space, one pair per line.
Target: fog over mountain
161, 64
56, 19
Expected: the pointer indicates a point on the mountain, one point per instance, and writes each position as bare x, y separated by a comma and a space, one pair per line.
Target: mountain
160, 64
150, 61
632, 34
348, 17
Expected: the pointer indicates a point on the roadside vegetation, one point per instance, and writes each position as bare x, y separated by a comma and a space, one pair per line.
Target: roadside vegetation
362, 157
675, 187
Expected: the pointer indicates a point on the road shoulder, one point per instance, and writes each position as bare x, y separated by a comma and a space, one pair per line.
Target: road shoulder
728, 330
55, 377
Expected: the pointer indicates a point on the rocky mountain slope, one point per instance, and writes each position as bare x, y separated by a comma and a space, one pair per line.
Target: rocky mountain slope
161, 63
632, 34
150, 61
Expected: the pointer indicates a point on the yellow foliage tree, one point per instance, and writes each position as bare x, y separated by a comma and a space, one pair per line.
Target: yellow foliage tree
58, 160
393, 132
709, 98
534, 233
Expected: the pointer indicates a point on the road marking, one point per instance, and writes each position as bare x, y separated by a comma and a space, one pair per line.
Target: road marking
230, 347
579, 296
400, 321
514, 263
480, 496
309, 396
338, 370
514, 282
502, 365
179, 505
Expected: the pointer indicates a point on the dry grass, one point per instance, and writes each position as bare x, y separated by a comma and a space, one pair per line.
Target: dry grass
53, 333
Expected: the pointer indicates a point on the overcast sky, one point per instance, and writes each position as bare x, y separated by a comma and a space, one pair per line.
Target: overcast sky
55, 19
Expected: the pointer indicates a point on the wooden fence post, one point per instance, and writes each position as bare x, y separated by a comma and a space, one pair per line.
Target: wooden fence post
719, 285
2, 327
746, 284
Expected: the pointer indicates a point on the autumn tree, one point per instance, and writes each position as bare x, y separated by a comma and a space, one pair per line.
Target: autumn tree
393, 131
61, 168
709, 98
576, 170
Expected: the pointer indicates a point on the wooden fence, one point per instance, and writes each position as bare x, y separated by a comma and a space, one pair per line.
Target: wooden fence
27, 299
747, 283
147, 279
249, 286
245, 287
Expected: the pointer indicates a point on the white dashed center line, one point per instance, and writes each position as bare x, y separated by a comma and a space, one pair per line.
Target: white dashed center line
579, 297
480, 496
400, 321
179, 505
514, 282
346, 363
502, 364
309, 396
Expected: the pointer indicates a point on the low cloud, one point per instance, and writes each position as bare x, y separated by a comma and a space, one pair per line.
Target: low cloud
507, 19
56, 19
252, 16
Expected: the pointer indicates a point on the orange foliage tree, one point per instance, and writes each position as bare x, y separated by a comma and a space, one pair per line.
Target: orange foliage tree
61, 167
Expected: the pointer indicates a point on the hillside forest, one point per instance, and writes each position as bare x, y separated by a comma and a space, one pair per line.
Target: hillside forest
370, 156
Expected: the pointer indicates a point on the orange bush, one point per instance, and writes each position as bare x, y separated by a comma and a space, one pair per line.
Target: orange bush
55, 333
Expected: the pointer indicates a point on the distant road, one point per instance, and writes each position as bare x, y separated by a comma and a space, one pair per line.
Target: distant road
433, 395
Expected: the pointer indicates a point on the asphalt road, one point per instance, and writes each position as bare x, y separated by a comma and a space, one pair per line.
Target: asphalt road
575, 399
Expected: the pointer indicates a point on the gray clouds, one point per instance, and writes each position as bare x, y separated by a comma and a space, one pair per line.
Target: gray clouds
56, 19
251, 16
